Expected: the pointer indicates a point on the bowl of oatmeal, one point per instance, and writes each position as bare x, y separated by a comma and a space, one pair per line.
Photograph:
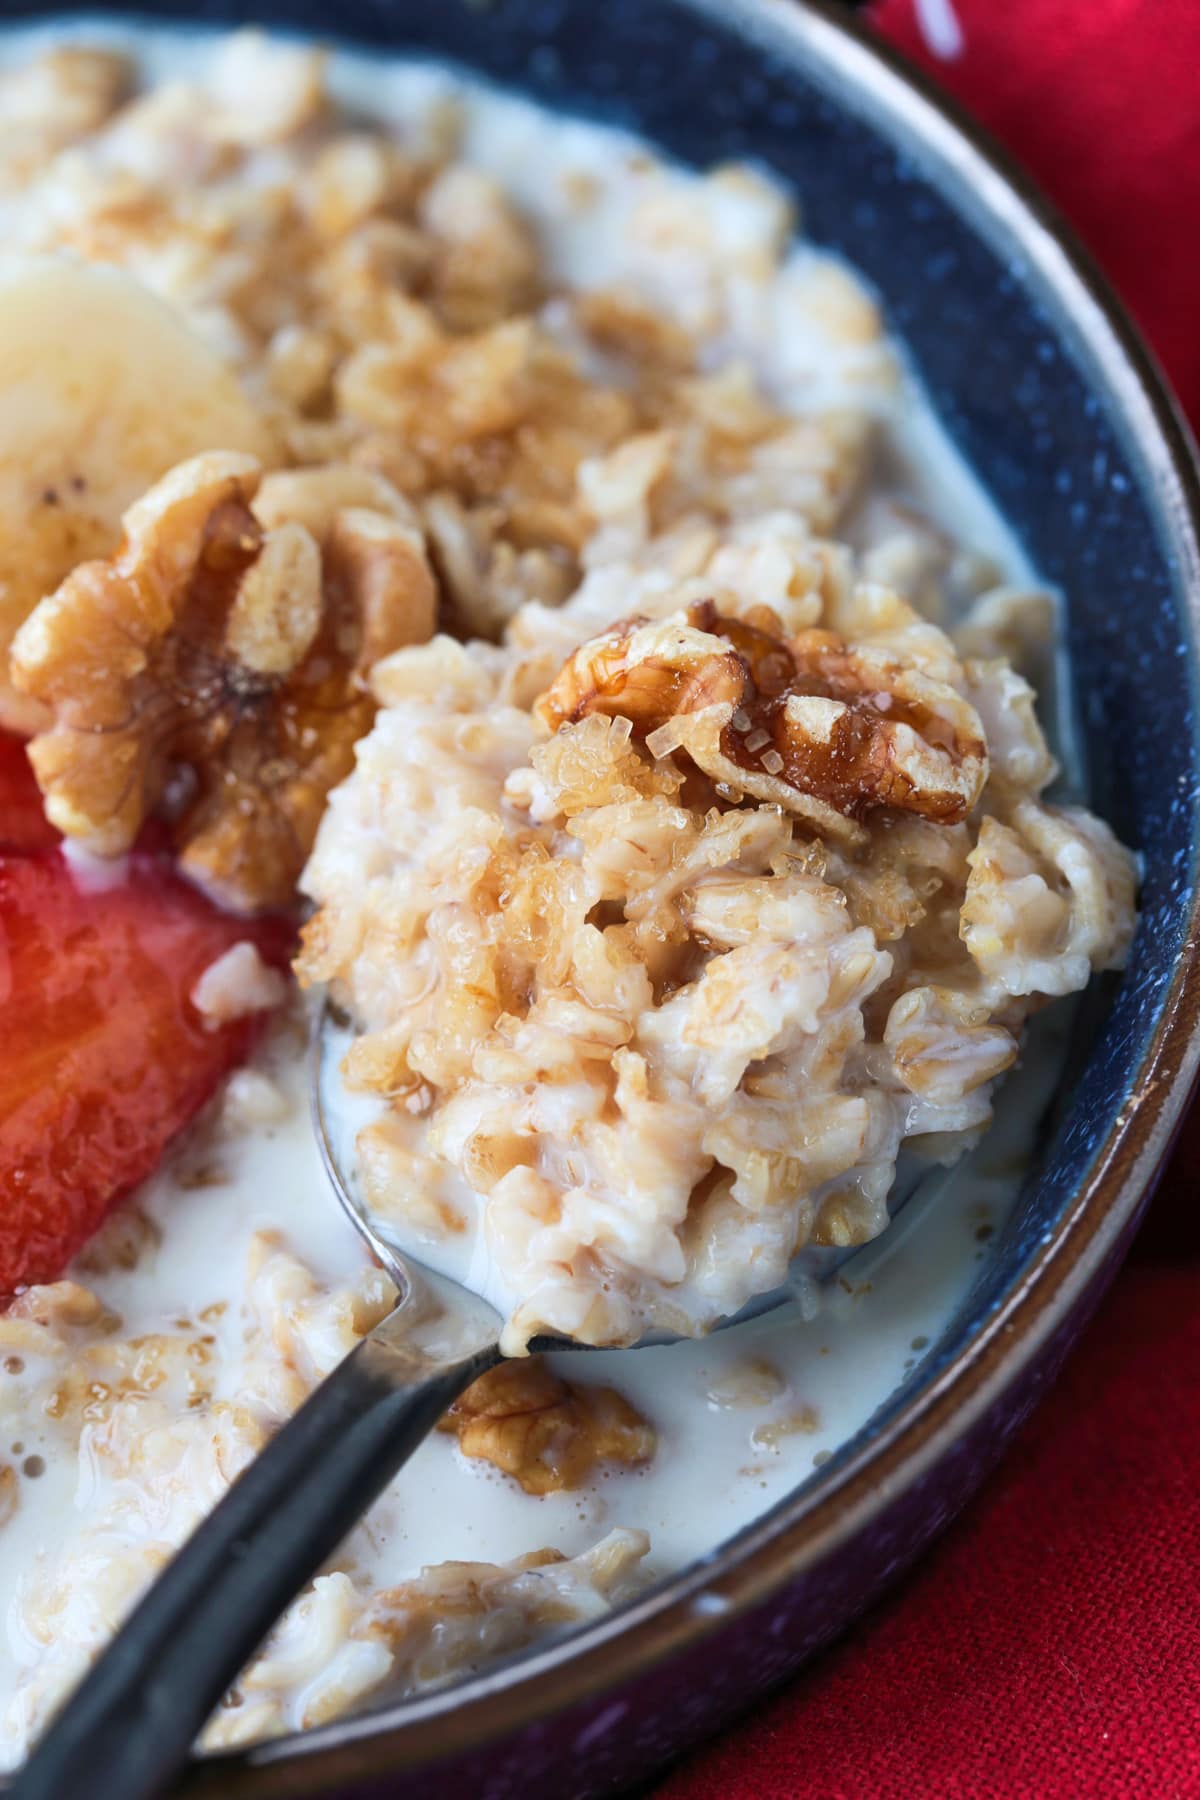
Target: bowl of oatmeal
650, 545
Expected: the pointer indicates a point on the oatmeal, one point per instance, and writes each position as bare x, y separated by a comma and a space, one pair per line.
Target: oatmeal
660, 970
164, 1422
536, 557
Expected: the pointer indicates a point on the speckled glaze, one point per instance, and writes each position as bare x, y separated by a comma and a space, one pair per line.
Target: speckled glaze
1049, 395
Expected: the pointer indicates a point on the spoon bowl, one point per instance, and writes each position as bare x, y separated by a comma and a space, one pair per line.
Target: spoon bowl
332, 1035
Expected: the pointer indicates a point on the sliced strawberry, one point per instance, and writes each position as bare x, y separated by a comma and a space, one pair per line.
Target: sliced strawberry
23, 824
103, 1058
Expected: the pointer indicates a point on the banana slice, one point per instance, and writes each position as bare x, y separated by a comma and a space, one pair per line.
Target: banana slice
102, 389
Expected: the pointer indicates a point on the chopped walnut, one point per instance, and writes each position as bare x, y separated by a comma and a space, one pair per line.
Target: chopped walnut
646, 673
487, 432
828, 729
485, 263
620, 321
547, 1433
215, 666
381, 562
882, 734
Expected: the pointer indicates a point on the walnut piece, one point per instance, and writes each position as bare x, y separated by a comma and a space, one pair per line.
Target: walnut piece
828, 729
486, 431
547, 1433
216, 666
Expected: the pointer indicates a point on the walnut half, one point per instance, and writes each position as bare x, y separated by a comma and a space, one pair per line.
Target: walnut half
547, 1433
829, 730
215, 667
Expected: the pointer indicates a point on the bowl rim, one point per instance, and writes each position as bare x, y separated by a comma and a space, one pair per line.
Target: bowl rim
874, 81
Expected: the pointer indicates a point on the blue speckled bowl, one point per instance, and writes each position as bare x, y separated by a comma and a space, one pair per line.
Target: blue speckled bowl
1050, 396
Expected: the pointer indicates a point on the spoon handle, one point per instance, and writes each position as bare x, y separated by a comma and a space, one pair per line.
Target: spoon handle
128, 1728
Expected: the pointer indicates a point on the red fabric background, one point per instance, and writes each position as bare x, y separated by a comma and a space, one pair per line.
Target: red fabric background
1049, 1647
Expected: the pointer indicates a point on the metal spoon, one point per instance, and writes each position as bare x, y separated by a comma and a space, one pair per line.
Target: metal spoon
129, 1727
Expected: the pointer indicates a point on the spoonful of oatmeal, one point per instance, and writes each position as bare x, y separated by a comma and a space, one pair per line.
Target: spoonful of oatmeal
647, 962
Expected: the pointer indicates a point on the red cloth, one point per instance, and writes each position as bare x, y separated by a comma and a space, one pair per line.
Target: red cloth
1049, 1647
